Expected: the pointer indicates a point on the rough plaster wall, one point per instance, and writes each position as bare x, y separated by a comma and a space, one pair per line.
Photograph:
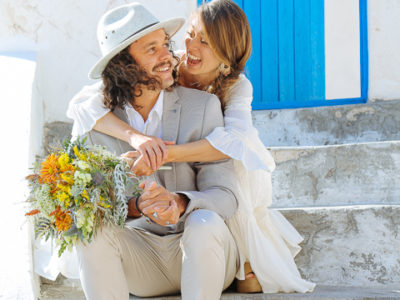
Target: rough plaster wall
349, 246
64, 32
371, 122
337, 175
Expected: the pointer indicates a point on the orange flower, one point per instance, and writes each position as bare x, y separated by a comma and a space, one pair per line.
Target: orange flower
32, 212
63, 219
32, 177
49, 171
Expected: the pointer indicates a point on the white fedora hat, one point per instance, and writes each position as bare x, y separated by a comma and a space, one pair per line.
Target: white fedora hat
121, 26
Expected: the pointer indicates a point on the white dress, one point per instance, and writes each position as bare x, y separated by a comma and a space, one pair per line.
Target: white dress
264, 237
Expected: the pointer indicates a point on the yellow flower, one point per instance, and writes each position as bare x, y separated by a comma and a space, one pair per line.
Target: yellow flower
68, 178
78, 154
85, 195
64, 188
64, 198
63, 161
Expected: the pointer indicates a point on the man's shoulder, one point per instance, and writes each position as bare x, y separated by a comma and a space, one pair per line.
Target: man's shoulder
189, 96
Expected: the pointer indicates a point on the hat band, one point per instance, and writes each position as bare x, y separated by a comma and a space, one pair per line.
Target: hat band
140, 31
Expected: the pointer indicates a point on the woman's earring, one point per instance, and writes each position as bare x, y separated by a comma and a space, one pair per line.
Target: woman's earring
224, 69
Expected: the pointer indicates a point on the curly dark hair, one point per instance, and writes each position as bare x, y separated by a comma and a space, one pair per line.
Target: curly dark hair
120, 77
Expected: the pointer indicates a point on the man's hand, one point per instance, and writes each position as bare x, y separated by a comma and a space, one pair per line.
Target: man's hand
160, 205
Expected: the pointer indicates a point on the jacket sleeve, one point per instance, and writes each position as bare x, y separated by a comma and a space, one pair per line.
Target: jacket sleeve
215, 181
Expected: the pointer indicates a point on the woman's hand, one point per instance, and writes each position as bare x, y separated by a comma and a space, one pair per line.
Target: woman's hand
152, 149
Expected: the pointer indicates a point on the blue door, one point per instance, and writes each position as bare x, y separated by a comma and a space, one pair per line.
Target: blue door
290, 65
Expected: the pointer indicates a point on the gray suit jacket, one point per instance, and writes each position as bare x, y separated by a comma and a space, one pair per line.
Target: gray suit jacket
188, 115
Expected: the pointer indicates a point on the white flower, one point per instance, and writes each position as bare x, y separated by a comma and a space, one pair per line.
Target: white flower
44, 201
83, 165
81, 178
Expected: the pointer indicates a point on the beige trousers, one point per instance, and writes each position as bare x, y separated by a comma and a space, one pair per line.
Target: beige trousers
200, 262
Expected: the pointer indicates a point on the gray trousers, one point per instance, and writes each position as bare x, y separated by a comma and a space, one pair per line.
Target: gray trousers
200, 262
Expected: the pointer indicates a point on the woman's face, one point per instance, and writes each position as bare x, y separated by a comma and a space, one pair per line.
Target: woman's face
200, 58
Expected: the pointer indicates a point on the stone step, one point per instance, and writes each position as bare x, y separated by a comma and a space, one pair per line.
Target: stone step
344, 246
366, 173
349, 245
329, 125
320, 292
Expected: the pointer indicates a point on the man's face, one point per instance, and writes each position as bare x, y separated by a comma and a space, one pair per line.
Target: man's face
151, 53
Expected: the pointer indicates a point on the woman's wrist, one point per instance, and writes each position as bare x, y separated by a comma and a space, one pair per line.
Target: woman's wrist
132, 137
171, 153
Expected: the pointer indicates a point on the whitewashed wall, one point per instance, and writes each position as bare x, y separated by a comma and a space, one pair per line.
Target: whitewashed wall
342, 49
64, 34
384, 49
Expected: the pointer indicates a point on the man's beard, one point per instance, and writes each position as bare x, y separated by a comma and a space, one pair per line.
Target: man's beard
161, 83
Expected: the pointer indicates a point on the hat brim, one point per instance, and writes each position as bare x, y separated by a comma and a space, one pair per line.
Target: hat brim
170, 26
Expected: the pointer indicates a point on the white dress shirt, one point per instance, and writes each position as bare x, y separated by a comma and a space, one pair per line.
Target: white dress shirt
152, 126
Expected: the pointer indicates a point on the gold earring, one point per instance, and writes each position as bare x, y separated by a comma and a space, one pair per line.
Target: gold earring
224, 69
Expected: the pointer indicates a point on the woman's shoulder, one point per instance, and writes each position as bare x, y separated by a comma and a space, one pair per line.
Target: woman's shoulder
243, 84
242, 90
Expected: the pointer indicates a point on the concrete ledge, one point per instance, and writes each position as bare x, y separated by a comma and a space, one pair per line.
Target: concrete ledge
350, 245
345, 246
366, 173
370, 122
320, 292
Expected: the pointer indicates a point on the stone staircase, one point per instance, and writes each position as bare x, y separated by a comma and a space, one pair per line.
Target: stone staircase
338, 182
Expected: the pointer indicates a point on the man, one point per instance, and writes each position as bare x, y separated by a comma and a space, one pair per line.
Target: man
177, 240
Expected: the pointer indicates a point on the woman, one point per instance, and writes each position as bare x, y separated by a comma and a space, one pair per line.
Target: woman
218, 45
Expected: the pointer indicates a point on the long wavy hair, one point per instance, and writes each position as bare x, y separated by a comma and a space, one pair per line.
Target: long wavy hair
228, 32
123, 78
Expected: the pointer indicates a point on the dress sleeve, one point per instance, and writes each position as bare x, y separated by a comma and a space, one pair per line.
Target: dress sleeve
238, 138
86, 108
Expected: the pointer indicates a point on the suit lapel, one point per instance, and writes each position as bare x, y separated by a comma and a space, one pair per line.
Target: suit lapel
171, 116
170, 127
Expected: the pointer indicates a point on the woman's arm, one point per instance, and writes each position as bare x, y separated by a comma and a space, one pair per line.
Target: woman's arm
238, 139
88, 112
153, 149
194, 152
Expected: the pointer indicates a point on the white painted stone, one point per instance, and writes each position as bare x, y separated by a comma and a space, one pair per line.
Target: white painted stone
349, 246
329, 125
342, 49
17, 279
320, 292
384, 49
64, 33
344, 248
337, 175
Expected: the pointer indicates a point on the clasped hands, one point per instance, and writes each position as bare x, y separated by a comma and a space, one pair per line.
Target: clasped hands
151, 153
158, 204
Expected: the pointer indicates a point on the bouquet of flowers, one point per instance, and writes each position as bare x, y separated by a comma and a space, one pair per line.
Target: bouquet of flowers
76, 190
